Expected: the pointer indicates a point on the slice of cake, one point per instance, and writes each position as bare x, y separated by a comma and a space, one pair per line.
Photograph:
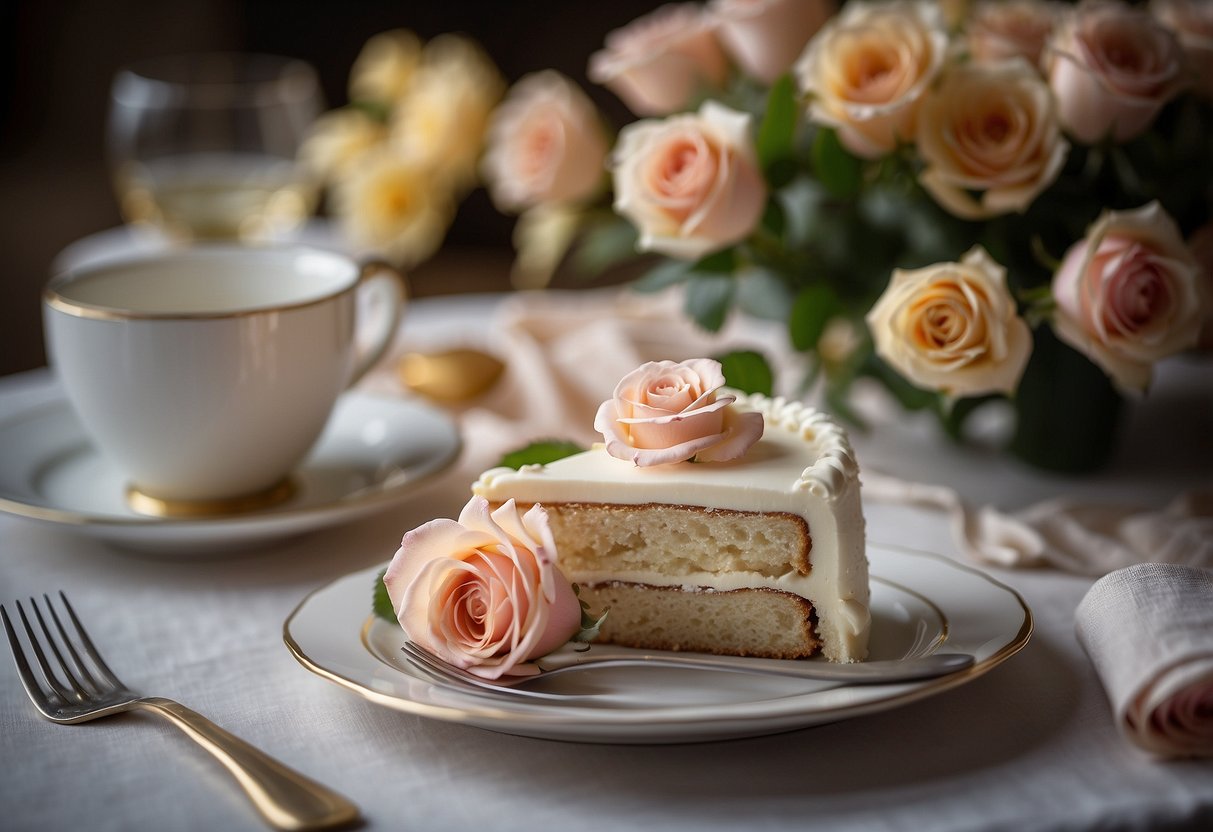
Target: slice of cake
759, 555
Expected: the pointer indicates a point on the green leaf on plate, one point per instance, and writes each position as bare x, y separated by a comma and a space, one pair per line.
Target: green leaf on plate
747, 371
540, 453
381, 604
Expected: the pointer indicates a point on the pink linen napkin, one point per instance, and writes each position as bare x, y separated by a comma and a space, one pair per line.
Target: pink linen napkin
1148, 629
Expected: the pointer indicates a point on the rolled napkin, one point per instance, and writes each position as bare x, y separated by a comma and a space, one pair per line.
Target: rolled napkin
1149, 632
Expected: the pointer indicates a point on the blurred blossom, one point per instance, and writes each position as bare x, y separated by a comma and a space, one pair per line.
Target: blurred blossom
765, 37
990, 139
1129, 294
868, 69
393, 208
385, 67
689, 183
440, 127
999, 30
336, 141
546, 144
1192, 21
1112, 67
657, 63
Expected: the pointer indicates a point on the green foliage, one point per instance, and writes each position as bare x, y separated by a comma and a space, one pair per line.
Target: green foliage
777, 133
540, 453
747, 371
381, 604
708, 298
589, 624
836, 169
604, 244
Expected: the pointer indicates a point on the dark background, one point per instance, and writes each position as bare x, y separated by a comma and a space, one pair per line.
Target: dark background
57, 58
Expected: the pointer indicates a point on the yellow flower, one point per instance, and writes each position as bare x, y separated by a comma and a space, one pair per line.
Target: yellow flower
392, 208
337, 140
440, 125
385, 67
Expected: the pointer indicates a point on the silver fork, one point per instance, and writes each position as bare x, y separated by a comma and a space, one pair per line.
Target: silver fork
860, 673
70, 692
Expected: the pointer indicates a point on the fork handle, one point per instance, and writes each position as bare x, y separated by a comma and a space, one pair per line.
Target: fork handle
283, 796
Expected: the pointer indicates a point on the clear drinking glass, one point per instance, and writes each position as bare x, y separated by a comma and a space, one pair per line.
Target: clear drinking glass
205, 146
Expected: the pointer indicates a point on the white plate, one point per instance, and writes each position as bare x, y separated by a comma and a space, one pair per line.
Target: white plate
374, 452
920, 603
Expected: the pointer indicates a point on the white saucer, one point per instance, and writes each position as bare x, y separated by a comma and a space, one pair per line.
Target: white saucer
374, 452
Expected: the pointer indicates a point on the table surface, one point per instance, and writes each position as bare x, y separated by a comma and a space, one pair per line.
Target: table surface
1030, 745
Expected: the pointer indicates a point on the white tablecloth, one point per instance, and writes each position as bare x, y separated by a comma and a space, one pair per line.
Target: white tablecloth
1031, 745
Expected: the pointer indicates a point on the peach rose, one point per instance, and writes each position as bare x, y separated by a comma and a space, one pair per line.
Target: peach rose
1112, 68
764, 37
990, 139
658, 62
999, 30
868, 69
664, 412
484, 593
1128, 294
545, 144
953, 327
690, 183
1192, 21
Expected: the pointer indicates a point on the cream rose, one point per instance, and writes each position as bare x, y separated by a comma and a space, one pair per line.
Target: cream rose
690, 183
484, 593
337, 140
385, 67
545, 144
657, 63
663, 412
1192, 21
999, 30
765, 37
1112, 68
990, 139
953, 327
868, 69
1128, 294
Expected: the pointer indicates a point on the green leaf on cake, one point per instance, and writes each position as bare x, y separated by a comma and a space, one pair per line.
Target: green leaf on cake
747, 371
381, 604
540, 453
589, 624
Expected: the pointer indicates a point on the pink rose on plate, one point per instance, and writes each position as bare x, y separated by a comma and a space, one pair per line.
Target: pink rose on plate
484, 593
1128, 294
1112, 68
664, 412
546, 144
690, 183
658, 62
765, 37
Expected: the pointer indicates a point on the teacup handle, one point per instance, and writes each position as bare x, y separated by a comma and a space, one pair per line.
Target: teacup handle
387, 292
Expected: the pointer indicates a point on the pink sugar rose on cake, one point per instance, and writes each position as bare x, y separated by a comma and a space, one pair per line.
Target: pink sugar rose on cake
484, 593
1112, 67
1129, 294
664, 412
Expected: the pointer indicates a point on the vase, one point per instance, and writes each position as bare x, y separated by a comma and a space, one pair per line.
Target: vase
1067, 411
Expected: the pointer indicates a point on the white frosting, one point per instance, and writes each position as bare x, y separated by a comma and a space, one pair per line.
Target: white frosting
803, 465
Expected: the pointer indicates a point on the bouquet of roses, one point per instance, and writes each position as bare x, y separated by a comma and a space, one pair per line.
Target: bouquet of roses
965, 202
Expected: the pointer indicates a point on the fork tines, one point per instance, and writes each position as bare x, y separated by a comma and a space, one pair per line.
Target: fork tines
74, 681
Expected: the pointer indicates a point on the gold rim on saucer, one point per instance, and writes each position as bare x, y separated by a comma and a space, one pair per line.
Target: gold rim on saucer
158, 507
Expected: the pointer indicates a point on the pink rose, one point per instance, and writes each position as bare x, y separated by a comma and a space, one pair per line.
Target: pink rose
545, 144
867, 70
484, 593
999, 30
1112, 68
690, 184
658, 62
1192, 21
664, 412
1128, 294
765, 37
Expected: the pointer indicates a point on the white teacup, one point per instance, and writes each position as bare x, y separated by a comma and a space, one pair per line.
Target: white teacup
205, 374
